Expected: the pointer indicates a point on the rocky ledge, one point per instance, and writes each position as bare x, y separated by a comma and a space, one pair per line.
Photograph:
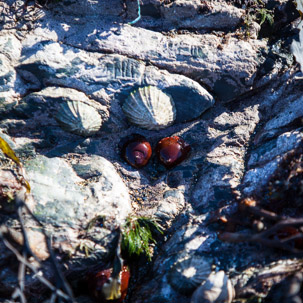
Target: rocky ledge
234, 93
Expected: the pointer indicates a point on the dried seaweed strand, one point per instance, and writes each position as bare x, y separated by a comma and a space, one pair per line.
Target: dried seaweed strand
60, 280
262, 237
21, 259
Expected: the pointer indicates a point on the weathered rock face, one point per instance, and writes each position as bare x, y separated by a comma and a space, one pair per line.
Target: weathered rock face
66, 69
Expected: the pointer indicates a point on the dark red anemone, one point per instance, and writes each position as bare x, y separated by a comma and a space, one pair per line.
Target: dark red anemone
172, 151
96, 284
137, 151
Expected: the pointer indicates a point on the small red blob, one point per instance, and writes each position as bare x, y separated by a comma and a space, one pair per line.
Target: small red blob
172, 151
125, 275
97, 281
137, 151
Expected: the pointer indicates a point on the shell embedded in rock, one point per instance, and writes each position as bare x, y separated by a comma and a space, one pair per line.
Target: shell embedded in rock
216, 289
79, 118
150, 108
187, 274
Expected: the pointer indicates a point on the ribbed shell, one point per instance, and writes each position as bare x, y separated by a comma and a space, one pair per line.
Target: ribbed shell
216, 289
187, 274
150, 108
79, 118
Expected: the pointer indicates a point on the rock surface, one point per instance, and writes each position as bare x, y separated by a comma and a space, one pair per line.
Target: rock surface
238, 100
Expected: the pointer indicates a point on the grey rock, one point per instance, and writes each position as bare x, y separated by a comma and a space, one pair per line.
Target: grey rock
200, 15
276, 147
208, 58
193, 50
292, 110
157, 14
170, 206
257, 177
67, 204
59, 202
264, 161
11, 85
41, 109
195, 56
108, 78
223, 166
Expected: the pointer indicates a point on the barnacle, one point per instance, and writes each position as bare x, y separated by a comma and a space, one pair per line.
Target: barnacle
188, 273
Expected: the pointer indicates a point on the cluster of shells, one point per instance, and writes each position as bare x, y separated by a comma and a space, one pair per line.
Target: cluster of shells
147, 107
193, 276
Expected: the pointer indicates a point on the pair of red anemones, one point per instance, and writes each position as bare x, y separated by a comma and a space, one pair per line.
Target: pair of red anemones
171, 151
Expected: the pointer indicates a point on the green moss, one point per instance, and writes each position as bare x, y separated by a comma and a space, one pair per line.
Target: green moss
137, 235
257, 12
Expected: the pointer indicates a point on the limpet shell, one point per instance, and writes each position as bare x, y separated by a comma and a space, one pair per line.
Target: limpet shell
187, 274
216, 289
150, 108
79, 118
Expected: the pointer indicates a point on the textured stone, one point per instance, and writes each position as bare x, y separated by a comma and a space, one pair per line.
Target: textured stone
196, 51
198, 57
276, 147
40, 110
108, 78
201, 15
223, 166
59, 202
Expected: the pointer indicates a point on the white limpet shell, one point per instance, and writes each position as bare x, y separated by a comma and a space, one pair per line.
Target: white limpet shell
216, 289
150, 108
187, 274
79, 118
